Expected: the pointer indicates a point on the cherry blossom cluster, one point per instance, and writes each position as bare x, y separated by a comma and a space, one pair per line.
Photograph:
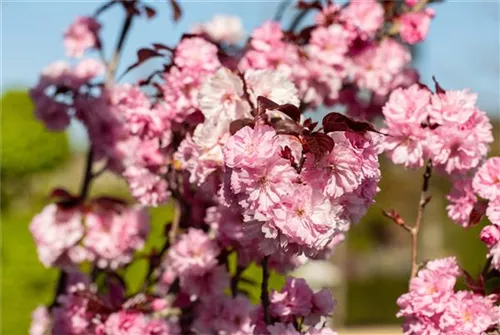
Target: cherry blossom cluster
221, 131
432, 306
104, 231
445, 127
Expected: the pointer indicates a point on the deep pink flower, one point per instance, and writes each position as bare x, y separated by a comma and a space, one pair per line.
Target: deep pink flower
294, 299
415, 25
126, 322
490, 235
205, 286
282, 329
81, 35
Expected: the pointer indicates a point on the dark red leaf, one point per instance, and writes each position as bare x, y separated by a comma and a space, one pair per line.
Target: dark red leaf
240, 123
60, 193
286, 153
290, 110
176, 10
339, 122
150, 12
195, 118
143, 55
310, 5
288, 127
439, 89
264, 104
318, 144
159, 46
477, 213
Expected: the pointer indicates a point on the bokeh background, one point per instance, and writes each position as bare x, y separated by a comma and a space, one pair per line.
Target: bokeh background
367, 273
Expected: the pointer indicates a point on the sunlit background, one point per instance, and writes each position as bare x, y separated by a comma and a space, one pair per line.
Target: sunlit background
367, 273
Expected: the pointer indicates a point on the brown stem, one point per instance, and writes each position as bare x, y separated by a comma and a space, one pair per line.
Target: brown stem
264, 294
88, 176
115, 59
415, 230
172, 234
236, 279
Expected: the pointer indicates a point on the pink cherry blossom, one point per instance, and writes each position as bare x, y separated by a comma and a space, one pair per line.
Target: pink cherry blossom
114, 235
294, 299
453, 106
149, 189
490, 235
56, 230
161, 327
330, 44
40, 321
366, 16
415, 25
282, 329
197, 54
207, 285
409, 105
126, 323
462, 201
493, 211
193, 254
274, 85
81, 35
222, 28
486, 182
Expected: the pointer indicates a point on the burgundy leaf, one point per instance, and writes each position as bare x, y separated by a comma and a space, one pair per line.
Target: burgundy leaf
150, 12
240, 123
143, 55
439, 89
310, 5
264, 104
318, 144
159, 46
286, 153
477, 213
176, 10
339, 122
60, 193
288, 127
290, 110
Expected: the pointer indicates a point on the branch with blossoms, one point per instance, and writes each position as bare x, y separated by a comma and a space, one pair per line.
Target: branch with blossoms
219, 131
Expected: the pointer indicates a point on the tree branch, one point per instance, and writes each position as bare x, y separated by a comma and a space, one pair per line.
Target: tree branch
115, 59
424, 200
280, 11
236, 279
264, 294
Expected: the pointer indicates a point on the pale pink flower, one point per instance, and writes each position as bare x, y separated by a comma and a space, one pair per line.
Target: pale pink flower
376, 66
126, 322
148, 188
409, 105
222, 28
462, 201
267, 35
294, 299
81, 35
114, 235
367, 16
193, 254
415, 25
271, 84
467, 314
453, 106
330, 44
250, 148
320, 331
405, 145
493, 211
40, 321
327, 14
73, 315
494, 253
197, 54
89, 68
55, 231
486, 182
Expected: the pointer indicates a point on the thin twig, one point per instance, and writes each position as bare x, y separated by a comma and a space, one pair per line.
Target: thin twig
298, 19
235, 280
88, 176
264, 294
424, 200
61, 286
172, 234
281, 10
115, 59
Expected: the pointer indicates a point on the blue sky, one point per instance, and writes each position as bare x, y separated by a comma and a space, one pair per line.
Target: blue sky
463, 48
